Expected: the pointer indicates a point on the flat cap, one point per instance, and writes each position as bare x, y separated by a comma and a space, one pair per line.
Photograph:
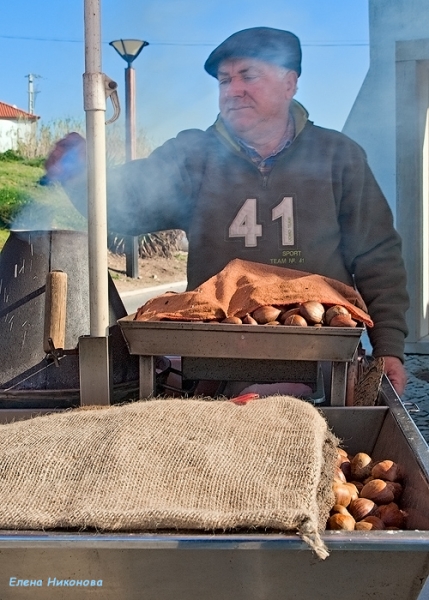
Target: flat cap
275, 46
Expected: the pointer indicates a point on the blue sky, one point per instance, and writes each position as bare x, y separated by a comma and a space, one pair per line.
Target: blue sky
173, 91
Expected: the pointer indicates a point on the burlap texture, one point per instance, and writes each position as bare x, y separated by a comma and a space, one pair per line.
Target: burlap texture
368, 382
171, 464
243, 286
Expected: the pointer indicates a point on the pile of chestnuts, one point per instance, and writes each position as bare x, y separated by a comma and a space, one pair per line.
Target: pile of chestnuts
309, 313
367, 494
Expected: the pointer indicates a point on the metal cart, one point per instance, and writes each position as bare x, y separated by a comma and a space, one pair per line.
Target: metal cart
387, 565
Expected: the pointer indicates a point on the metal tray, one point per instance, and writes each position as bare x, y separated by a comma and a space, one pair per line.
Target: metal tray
271, 348
244, 341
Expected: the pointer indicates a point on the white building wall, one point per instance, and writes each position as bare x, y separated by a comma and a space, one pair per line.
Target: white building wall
11, 131
372, 120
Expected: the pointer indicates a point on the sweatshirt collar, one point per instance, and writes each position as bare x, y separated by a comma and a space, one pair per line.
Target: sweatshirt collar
298, 113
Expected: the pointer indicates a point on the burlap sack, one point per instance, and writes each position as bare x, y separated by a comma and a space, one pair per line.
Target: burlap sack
243, 286
368, 382
171, 464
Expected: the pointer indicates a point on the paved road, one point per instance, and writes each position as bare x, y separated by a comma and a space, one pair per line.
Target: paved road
417, 392
133, 300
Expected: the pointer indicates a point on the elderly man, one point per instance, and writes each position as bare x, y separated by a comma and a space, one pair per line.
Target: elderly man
265, 184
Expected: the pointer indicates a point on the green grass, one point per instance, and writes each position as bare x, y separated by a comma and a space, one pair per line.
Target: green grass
4, 234
26, 204
19, 175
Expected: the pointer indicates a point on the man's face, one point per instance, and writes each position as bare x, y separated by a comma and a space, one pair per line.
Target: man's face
254, 95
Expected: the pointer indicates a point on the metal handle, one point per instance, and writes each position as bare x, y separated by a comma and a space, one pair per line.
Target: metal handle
110, 89
55, 310
411, 407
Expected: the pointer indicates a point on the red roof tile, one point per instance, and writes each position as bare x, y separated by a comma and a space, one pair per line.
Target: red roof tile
7, 111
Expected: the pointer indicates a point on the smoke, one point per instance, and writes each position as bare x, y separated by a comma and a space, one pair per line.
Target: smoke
48, 208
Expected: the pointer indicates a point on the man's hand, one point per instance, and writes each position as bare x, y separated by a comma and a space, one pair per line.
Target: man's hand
67, 160
395, 371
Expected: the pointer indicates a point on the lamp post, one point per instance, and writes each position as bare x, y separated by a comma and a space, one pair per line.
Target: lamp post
129, 50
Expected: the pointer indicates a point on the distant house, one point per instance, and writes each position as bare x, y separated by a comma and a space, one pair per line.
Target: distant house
15, 125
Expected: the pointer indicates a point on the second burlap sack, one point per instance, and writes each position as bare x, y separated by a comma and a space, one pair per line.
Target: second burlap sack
242, 286
171, 465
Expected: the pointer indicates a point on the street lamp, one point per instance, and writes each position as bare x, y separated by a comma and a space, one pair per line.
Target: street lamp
129, 50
